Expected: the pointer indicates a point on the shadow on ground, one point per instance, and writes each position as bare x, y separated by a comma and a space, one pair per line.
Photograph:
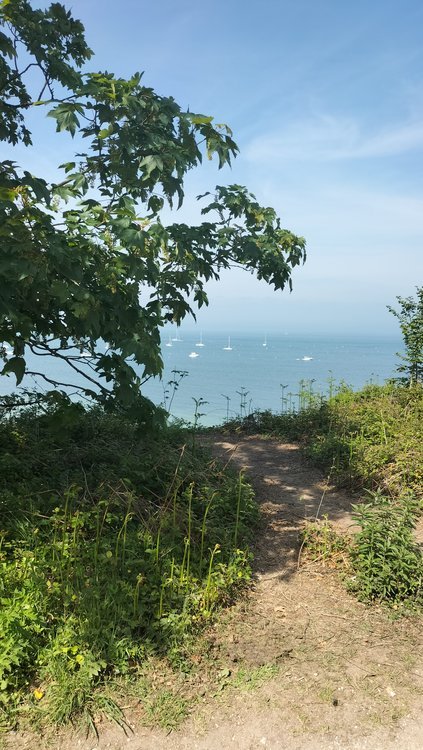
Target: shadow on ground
289, 491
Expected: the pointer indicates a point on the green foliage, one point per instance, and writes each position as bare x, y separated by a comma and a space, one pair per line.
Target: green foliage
375, 439
321, 541
57, 47
388, 564
410, 317
371, 438
116, 545
88, 259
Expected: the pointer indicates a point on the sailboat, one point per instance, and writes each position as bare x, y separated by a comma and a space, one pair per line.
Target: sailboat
265, 341
200, 343
228, 348
169, 343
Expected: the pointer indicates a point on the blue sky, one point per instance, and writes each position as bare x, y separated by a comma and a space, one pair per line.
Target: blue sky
325, 99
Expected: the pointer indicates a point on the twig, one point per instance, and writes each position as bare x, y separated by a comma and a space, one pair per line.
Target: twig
324, 492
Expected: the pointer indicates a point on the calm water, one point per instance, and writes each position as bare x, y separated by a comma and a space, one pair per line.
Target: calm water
262, 370
219, 376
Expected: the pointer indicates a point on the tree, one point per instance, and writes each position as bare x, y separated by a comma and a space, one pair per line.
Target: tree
88, 259
410, 317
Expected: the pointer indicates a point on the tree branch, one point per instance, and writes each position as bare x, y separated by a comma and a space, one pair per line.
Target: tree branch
54, 353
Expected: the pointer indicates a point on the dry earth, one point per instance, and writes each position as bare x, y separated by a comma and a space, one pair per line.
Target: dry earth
299, 664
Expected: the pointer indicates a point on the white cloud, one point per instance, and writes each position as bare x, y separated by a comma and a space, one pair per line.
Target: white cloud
327, 138
364, 248
339, 214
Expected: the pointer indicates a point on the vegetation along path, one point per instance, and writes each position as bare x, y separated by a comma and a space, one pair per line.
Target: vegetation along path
302, 663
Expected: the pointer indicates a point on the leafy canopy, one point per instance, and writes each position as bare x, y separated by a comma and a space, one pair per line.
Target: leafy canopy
410, 316
88, 259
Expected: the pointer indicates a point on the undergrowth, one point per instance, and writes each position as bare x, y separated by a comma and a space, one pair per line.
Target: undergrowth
115, 546
322, 543
387, 562
370, 441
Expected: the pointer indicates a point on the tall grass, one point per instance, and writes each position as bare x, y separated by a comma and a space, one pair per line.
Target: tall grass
114, 545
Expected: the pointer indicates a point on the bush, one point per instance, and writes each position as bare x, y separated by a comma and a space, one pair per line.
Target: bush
387, 562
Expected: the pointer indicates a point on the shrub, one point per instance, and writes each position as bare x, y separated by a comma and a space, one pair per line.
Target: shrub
387, 562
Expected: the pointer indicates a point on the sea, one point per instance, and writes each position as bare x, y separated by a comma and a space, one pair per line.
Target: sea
212, 377
232, 376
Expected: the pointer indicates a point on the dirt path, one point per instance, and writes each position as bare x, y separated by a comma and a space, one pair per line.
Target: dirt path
303, 665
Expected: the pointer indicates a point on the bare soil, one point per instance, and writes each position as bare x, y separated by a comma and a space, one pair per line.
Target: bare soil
299, 663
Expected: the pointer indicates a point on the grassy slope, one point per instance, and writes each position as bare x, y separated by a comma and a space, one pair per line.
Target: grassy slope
117, 545
370, 440
114, 546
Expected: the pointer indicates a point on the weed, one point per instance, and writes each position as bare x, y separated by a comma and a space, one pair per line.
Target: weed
243, 410
169, 391
326, 694
251, 679
371, 440
388, 564
166, 708
322, 542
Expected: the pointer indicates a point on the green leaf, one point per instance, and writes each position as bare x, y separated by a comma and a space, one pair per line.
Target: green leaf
65, 116
17, 365
199, 119
63, 192
151, 163
78, 181
105, 132
6, 45
68, 166
8, 194
38, 187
